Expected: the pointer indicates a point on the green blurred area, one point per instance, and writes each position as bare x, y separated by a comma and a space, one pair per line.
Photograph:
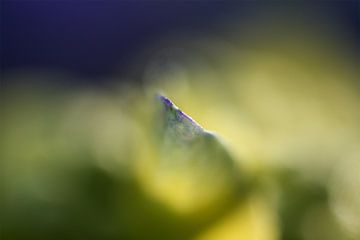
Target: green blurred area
92, 163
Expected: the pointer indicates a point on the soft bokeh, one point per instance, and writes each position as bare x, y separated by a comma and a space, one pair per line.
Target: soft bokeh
280, 89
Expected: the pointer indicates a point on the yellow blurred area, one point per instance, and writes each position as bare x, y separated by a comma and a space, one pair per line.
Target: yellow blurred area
286, 106
250, 221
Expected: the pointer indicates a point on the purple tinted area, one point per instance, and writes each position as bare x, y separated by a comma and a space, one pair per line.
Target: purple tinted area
179, 114
166, 101
186, 116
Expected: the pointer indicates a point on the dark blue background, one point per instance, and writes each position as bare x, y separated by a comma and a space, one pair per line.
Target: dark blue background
97, 38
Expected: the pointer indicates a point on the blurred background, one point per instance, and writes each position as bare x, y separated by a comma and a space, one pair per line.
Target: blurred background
81, 156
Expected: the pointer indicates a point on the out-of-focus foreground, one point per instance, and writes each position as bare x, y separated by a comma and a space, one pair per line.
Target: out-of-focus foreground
283, 98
